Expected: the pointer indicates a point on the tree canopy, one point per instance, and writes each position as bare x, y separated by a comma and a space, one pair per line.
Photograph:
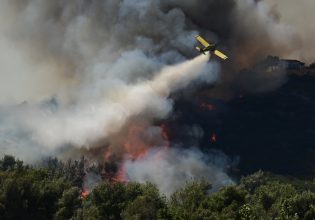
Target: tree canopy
54, 192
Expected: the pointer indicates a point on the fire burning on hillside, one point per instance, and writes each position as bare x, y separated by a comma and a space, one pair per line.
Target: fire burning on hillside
84, 194
214, 138
100, 75
207, 106
138, 142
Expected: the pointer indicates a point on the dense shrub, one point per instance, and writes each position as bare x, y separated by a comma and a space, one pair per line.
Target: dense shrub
54, 192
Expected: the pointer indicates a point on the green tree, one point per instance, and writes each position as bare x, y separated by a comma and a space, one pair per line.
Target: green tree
112, 198
87, 212
149, 205
301, 205
228, 203
8, 162
68, 204
30, 194
190, 202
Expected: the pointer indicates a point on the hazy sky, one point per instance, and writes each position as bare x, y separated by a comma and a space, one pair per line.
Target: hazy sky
300, 15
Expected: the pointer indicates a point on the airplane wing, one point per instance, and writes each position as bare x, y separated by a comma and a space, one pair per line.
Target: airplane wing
202, 41
220, 54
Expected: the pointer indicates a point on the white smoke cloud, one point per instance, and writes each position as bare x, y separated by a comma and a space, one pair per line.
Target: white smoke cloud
99, 60
299, 15
172, 168
83, 69
85, 122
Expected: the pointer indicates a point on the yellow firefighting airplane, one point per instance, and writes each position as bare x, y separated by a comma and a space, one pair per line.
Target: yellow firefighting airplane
209, 47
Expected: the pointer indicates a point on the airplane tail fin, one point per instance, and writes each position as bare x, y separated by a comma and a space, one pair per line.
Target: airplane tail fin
220, 54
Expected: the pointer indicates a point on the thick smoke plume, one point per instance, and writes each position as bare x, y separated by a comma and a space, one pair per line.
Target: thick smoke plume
111, 70
77, 73
172, 168
81, 124
299, 15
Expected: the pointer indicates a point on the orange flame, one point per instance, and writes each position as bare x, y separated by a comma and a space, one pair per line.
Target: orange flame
207, 106
108, 154
137, 146
84, 194
214, 138
121, 175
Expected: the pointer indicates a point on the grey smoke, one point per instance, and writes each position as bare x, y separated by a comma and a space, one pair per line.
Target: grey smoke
91, 181
299, 15
105, 62
172, 168
111, 68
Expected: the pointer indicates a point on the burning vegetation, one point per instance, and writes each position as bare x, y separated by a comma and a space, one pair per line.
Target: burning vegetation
125, 114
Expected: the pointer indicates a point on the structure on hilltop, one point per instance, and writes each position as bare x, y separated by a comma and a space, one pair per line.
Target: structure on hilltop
296, 67
293, 67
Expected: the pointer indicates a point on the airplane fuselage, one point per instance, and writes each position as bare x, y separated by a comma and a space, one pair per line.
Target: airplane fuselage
210, 48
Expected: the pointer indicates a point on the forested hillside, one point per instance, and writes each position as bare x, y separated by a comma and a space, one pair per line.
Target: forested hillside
56, 193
